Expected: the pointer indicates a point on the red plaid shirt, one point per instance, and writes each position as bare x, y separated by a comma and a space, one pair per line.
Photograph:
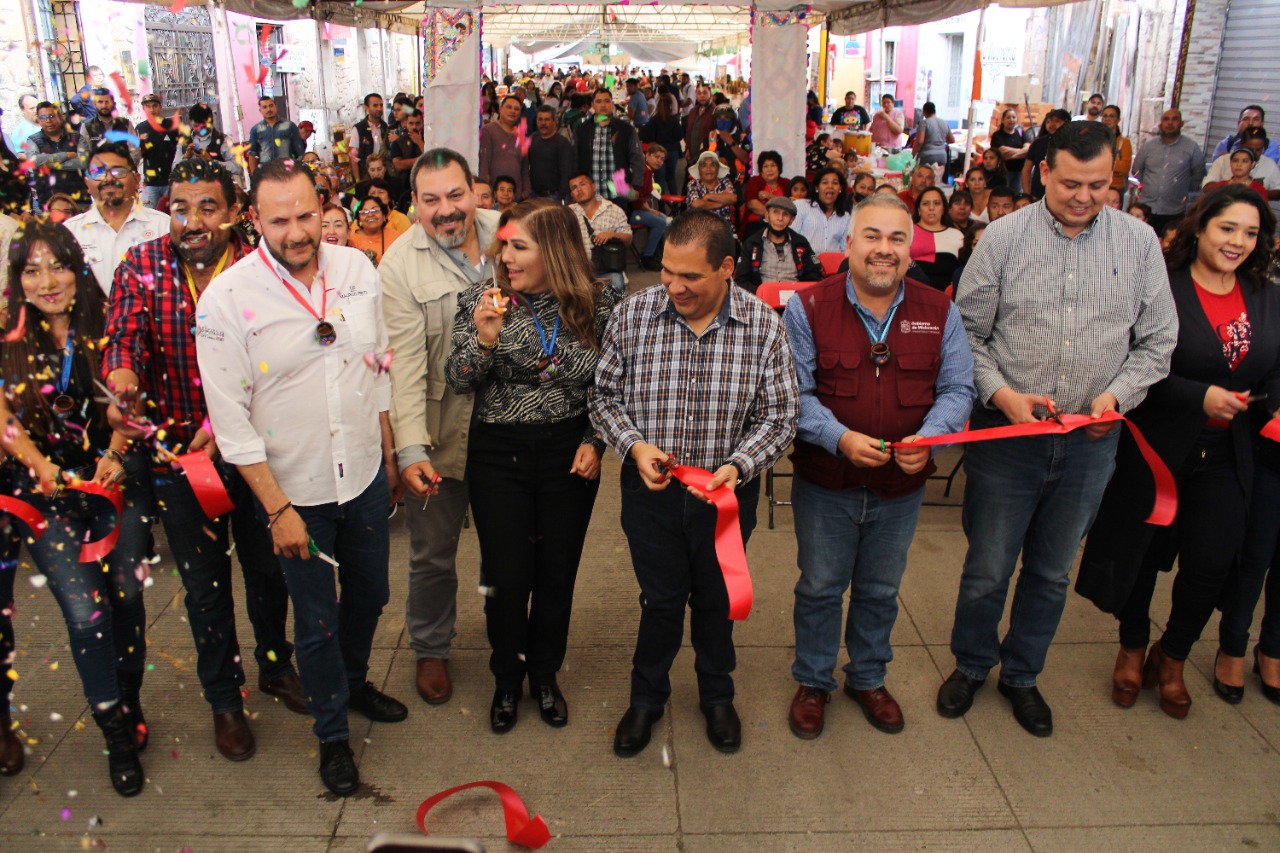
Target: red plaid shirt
149, 332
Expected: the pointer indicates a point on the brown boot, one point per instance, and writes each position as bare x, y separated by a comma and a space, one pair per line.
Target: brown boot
11, 754
1127, 679
1167, 673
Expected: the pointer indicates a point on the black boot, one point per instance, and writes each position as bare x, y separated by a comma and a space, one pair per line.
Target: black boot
131, 705
122, 752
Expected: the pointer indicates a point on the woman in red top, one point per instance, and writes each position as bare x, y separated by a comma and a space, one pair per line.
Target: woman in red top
1227, 359
1242, 162
767, 183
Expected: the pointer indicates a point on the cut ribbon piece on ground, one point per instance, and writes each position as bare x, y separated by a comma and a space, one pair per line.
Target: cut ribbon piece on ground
203, 478
521, 829
1163, 510
729, 549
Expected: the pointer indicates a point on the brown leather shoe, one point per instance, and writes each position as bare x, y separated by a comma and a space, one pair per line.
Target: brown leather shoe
232, 736
880, 708
808, 712
12, 758
288, 689
1167, 673
1127, 680
433, 680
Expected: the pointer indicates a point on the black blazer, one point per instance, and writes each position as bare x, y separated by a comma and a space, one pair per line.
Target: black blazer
1171, 419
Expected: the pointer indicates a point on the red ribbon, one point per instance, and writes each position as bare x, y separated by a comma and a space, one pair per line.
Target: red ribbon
1163, 509
522, 830
1272, 429
203, 478
729, 550
90, 552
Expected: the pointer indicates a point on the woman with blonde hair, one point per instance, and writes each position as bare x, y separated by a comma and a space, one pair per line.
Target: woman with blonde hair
526, 345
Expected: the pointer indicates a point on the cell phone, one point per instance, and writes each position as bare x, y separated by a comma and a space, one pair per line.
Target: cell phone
386, 842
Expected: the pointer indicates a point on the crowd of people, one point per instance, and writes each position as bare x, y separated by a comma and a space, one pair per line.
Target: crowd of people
427, 335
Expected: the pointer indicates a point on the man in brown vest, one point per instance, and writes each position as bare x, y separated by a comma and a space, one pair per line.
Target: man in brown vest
880, 359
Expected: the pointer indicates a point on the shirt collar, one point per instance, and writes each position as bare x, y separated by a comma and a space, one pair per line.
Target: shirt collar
731, 309
94, 215
322, 263
1053, 223
852, 294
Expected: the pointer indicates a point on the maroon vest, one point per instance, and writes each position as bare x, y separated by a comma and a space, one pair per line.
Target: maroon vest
890, 406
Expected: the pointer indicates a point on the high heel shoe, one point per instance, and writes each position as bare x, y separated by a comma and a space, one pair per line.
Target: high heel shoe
1272, 693
1229, 693
1167, 674
1127, 679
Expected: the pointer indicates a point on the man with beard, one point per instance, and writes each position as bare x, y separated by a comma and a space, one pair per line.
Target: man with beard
422, 275
151, 351
606, 144
284, 340
698, 124
53, 153
118, 221
95, 131
272, 138
369, 135
409, 143
159, 138
857, 499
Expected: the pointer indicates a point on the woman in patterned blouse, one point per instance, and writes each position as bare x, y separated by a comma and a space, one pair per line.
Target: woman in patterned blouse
527, 347
710, 188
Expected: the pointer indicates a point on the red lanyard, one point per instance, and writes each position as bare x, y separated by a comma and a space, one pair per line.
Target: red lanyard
324, 299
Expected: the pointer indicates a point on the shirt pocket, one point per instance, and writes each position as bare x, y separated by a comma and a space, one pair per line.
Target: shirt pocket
837, 373
917, 372
361, 318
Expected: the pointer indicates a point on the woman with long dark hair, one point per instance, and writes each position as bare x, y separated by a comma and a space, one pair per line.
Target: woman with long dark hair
527, 347
935, 243
767, 183
57, 435
663, 128
1227, 359
824, 218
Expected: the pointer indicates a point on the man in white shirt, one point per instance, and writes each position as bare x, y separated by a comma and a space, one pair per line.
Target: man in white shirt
600, 221
289, 342
118, 221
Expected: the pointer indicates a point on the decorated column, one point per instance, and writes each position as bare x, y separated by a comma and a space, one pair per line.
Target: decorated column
779, 80
451, 75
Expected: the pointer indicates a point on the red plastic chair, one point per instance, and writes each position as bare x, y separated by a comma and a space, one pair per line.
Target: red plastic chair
831, 262
775, 294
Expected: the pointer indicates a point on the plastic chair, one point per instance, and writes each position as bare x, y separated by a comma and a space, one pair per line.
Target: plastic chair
831, 262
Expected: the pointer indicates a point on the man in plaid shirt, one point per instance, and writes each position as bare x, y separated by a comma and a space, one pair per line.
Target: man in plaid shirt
698, 372
151, 354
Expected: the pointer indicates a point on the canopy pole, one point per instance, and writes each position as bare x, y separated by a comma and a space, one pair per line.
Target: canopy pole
973, 99
884, 55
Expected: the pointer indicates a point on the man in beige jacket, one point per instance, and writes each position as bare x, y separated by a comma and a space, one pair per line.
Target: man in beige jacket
422, 275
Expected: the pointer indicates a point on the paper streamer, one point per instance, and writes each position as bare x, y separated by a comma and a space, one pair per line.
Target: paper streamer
1163, 510
90, 552
729, 550
26, 512
522, 830
203, 478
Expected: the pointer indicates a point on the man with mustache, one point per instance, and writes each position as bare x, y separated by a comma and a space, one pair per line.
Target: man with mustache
422, 275
285, 341
118, 220
95, 130
880, 358
151, 351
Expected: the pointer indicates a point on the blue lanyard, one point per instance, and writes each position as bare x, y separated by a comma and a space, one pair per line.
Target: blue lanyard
547, 349
68, 357
884, 334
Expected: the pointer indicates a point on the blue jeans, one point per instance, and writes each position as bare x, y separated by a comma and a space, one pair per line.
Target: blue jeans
333, 633
200, 547
100, 601
1036, 496
10, 547
657, 226
1256, 569
850, 540
672, 540
151, 196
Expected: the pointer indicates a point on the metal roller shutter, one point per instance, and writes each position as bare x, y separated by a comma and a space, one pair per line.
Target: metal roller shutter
1247, 67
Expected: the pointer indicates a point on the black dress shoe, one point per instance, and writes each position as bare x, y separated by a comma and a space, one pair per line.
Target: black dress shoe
955, 696
338, 768
1029, 709
504, 711
551, 704
634, 730
724, 729
1229, 693
1271, 692
376, 705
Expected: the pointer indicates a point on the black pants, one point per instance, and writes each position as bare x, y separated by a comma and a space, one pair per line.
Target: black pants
672, 539
531, 517
1205, 538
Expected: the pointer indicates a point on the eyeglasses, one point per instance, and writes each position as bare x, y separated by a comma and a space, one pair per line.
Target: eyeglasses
368, 212
98, 173
47, 117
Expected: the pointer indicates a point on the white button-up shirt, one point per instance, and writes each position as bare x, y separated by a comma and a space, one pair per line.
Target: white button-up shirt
276, 395
104, 247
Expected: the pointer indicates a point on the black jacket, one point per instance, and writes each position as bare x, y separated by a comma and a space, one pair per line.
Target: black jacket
1171, 419
626, 150
747, 274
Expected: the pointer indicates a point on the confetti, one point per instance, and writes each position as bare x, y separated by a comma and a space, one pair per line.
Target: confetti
38, 580
379, 364
122, 136
506, 232
263, 367
178, 6
124, 91
20, 328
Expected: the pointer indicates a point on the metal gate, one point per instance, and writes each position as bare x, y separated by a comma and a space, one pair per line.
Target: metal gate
183, 69
58, 25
